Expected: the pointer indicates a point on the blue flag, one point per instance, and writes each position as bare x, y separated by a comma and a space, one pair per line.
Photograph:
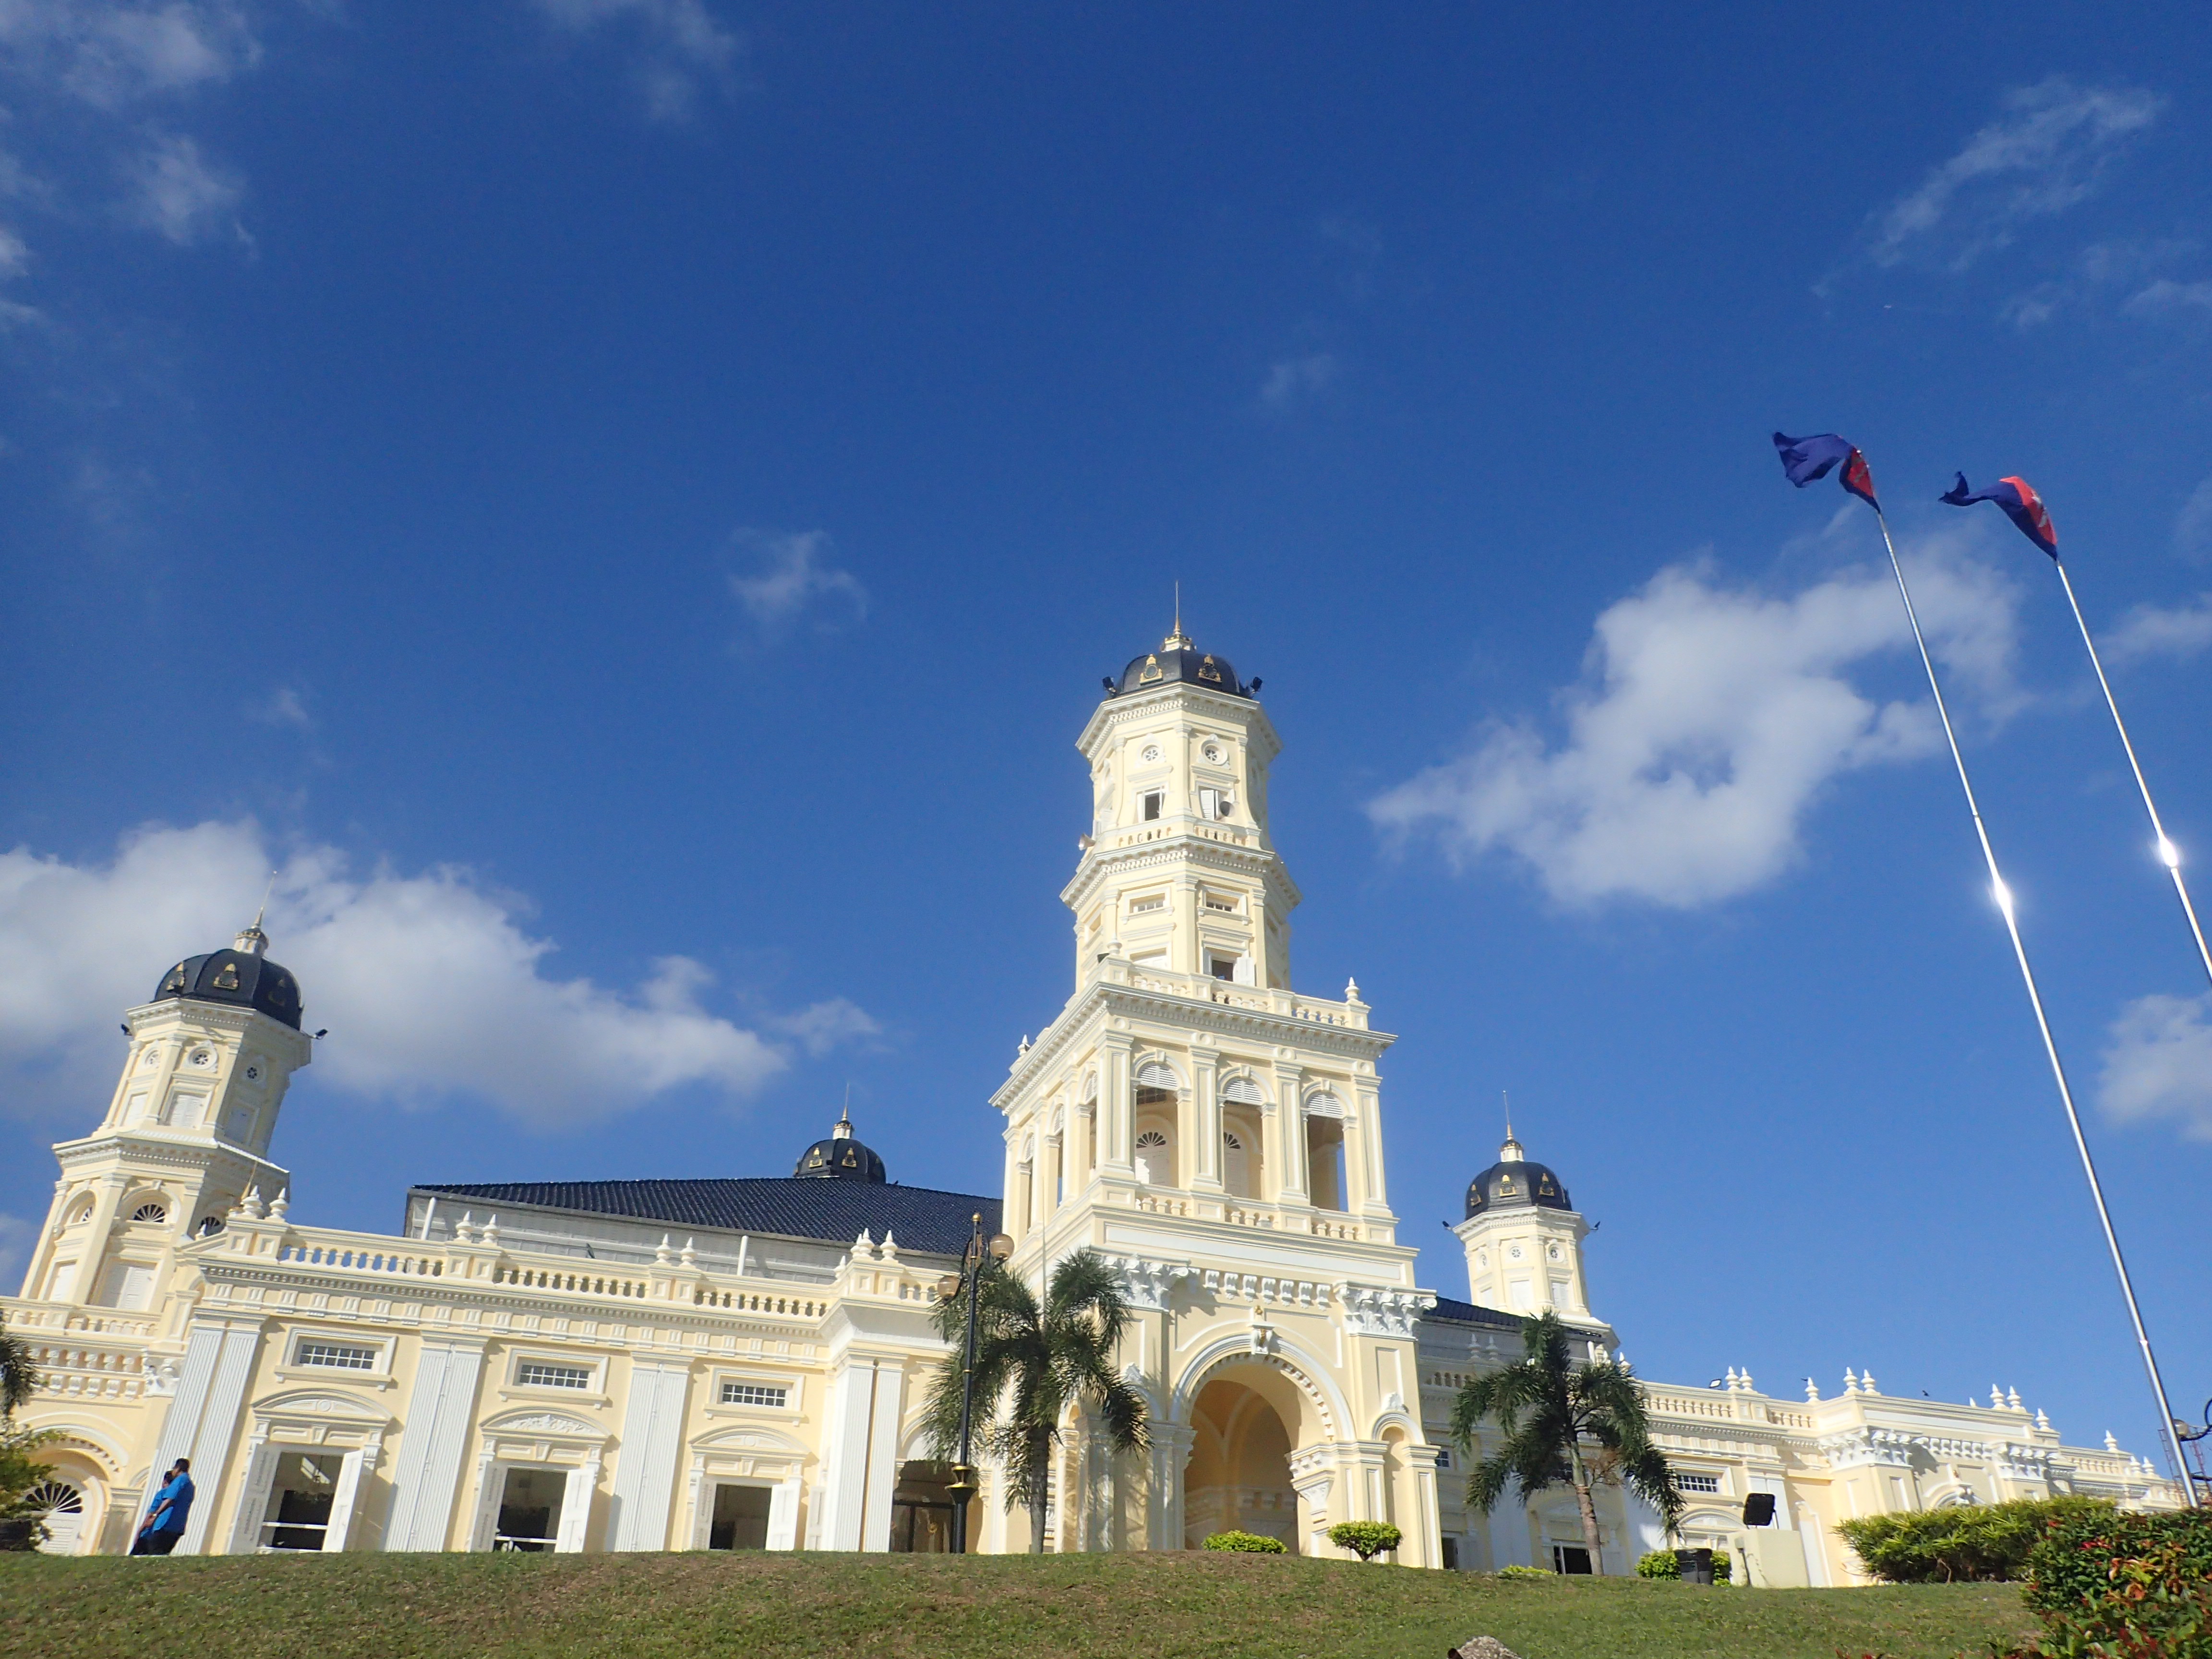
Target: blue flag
2021, 505
1804, 459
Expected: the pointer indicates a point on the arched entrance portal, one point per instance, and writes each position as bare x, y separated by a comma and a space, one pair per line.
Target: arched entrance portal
1239, 1473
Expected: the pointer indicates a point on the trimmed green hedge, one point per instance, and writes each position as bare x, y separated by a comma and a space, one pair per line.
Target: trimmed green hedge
1366, 1538
1665, 1564
1248, 1543
1974, 1542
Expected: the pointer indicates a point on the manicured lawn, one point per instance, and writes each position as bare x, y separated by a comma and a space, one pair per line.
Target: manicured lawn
768, 1607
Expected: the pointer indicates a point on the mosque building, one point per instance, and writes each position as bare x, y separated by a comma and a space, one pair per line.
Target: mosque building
741, 1362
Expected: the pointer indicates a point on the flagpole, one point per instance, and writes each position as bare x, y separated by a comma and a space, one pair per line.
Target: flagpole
2168, 854
2002, 894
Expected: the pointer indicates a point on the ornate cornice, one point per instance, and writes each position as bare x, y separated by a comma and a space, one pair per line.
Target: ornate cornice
1102, 999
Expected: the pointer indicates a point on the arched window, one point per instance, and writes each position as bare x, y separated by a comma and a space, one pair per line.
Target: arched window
153, 1211
1324, 1104
1152, 1075
1243, 1091
81, 1213
61, 1507
1152, 1159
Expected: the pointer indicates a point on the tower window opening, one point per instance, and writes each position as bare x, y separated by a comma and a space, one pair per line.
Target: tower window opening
1222, 967
1218, 902
1216, 803
1154, 800
1147, 905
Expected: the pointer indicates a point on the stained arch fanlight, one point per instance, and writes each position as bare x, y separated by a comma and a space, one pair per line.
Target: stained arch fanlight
1324, 1104
1245, 1091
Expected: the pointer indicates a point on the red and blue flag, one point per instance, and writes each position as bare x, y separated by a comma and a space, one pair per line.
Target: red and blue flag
1804, 459
2021, 505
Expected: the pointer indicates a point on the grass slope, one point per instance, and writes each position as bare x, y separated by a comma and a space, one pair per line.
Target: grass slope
906, 1606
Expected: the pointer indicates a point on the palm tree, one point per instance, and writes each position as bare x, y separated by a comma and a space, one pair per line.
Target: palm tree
1563, 1425
19, 1378
1032, 1363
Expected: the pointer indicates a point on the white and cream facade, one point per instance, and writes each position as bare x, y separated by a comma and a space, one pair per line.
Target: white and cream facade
691, 1365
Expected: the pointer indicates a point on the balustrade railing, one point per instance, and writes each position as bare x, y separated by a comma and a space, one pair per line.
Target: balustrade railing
363, 1260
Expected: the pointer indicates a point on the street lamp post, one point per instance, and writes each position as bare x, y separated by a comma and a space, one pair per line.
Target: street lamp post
962, 1485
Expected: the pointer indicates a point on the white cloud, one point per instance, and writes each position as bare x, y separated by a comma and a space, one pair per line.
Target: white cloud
285, 707
2192, 527
1294, 377
827, 1025
1708, 719
2147, 630
175, 191
2158, 1064
2042, 156
682, 47
794, 573
428, 983
2167, 298
109, 55
14, 254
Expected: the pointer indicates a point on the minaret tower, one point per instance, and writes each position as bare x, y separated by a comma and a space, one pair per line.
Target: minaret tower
185, 1134
1523, 1239
1217, 1137
1178, 873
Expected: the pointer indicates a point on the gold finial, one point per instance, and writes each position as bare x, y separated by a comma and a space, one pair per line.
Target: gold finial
1177, 640
1510, 1152
252, 940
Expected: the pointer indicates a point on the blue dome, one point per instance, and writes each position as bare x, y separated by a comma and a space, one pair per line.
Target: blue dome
242, 977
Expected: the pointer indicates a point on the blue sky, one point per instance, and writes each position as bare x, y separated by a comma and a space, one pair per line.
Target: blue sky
625, 504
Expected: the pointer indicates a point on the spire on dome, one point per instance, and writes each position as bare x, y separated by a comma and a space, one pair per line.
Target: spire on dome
1177, 640
252, 940
1511, 1152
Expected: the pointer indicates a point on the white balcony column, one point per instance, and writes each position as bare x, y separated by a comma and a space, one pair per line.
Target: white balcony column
1117, 1106
1291, 1185
1202, 1132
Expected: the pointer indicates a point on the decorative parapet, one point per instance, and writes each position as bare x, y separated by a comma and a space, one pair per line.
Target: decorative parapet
1858, 1447
1378, 1310
1148, 1285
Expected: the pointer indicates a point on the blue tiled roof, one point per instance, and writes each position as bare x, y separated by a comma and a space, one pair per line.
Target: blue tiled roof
1465, 1313
835, 1210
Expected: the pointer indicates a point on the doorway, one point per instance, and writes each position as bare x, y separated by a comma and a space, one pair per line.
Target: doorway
1238, 1478
300, 1494
530, 1510
740, 1517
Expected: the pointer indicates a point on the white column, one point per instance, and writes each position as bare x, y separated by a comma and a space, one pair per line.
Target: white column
1202, 1131
645, 1473
1373, 1198
218, 1429
1291, 1183
432, 1441
1117, 1151
883, 1456
846, 1449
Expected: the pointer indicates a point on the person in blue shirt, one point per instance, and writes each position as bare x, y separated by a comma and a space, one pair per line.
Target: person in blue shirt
171, 1507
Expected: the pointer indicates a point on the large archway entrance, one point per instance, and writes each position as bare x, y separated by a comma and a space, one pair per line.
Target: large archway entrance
1238, 1477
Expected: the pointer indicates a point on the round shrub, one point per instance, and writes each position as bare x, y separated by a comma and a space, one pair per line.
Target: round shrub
1247, 1543
1366, 1538
1659, 1564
